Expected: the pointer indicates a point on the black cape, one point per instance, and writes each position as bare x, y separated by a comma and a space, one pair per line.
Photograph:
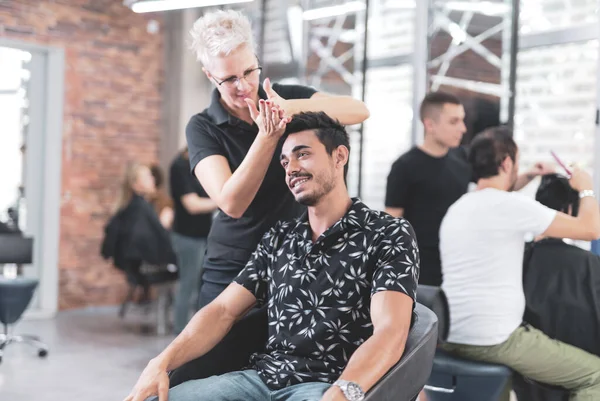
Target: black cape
562, 292
135, 237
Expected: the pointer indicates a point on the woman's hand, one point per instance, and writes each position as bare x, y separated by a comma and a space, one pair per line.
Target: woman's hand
269, 118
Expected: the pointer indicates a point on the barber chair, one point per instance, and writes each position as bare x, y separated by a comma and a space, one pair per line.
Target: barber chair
456, 379
16, 293
402, 383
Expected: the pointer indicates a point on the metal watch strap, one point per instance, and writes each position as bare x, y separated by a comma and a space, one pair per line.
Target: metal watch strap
350, 394
586, 193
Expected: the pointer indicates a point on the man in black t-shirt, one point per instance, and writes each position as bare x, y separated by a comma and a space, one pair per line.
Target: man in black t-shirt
425, 181
191, 225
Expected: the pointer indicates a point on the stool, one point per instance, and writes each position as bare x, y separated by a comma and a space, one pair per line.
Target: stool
15, 296
454, 379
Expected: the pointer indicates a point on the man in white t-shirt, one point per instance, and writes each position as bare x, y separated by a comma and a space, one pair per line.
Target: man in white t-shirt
481, 247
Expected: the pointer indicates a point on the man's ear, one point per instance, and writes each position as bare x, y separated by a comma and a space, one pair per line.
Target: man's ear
506, 164
342, 154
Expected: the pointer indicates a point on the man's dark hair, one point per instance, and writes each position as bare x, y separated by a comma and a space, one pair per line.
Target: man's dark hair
556, 193
434, 102
330, 132
489, 149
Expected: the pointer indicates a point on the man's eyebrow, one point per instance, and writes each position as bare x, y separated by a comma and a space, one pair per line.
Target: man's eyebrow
294, 150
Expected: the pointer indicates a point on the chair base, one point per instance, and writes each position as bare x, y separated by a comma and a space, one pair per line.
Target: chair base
34, 341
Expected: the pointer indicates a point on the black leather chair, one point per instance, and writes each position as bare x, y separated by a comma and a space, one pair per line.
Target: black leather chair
456, 379
16, 293
402, 383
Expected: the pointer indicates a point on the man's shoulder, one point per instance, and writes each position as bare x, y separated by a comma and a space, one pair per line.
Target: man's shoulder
380, 221
408, 157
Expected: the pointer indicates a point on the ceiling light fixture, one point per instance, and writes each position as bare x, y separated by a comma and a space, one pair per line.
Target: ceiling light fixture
150, 6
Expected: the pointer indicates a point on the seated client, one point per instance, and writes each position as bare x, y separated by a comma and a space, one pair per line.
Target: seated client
339, 283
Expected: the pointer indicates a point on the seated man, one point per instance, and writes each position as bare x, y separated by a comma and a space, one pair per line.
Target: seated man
482, 245
562, 286
339, 283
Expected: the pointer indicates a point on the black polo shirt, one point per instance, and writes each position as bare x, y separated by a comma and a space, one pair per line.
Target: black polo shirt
319, 294
182, 182
232, 241
426, 186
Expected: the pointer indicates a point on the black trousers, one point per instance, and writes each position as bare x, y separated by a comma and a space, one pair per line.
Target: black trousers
247, 336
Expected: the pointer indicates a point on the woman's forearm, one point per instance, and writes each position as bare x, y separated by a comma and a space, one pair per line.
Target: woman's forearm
346, 109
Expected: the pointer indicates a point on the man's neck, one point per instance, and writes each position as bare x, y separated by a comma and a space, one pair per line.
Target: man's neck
433, 148
328, 211
496, 182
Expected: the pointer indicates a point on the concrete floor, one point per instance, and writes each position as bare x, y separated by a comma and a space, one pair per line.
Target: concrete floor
94, 356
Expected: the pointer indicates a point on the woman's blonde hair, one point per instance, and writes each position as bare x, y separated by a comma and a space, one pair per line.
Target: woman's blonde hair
126, 190
219, 33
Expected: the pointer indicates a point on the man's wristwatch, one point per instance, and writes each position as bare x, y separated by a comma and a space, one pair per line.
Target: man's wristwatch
586, 192
351, 390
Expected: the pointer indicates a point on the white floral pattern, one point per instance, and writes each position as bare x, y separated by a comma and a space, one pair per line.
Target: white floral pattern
319, 294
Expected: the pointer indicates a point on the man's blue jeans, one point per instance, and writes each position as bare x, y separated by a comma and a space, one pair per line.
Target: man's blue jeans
243, 386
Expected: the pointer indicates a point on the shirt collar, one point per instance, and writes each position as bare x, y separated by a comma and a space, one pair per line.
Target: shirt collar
218, 113
357, 217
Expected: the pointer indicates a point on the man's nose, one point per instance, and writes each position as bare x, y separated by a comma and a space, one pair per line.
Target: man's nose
292, 168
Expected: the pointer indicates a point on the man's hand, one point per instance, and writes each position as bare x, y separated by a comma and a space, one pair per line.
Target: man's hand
153, 381
580, 180
268, 117
334, 393
541, 168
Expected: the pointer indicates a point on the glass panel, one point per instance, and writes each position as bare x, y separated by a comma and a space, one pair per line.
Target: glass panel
14, 82
391, 28
469, 56
547, 15
387, 131
556, 103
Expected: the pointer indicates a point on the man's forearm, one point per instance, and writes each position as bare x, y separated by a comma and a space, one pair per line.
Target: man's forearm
206, 329
343, 108
589, 215
241, 188
374, 358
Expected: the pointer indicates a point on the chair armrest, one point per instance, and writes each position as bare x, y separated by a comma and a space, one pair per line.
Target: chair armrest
408, 377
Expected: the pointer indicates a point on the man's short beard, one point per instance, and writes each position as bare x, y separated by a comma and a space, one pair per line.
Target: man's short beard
314, 198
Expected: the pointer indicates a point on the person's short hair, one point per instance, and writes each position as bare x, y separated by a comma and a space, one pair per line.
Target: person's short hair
219, 33
434, 102
556, 193
330, 132
489, 149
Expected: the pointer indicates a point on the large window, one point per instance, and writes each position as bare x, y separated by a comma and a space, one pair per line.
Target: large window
556, 103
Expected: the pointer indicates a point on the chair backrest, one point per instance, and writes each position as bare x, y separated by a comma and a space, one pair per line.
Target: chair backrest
406, 380
15, 295
435, 299
15, 248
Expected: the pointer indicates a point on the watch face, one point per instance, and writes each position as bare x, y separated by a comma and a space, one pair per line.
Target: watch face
355, 393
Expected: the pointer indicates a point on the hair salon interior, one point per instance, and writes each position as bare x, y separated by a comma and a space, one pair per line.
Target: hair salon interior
95, 100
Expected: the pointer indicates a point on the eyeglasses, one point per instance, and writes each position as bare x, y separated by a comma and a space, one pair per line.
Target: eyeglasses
235, 81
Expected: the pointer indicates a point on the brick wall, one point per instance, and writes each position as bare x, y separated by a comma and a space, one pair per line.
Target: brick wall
112, 113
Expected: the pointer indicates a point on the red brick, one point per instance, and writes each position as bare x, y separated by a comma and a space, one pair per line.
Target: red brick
113, 83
